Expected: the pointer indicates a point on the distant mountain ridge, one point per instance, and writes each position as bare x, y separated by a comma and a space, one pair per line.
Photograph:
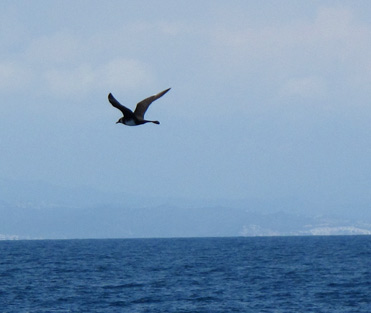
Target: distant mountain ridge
40, 210
121, 222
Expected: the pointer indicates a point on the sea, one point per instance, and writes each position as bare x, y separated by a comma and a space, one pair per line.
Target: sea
242, 274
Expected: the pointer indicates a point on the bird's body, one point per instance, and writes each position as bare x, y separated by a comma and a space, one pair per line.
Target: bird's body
131, 118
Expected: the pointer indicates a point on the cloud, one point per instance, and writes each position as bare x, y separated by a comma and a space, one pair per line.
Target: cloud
69, 82
125, 74
331, 28
117, 74
296, 57
65, 65
60, 48
327, 52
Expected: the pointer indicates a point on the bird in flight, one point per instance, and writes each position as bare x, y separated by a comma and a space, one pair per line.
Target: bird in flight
131, 118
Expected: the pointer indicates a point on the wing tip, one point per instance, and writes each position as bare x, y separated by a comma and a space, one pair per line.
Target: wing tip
160, 94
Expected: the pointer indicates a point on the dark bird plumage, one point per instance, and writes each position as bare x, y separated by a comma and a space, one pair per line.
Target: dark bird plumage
131, 118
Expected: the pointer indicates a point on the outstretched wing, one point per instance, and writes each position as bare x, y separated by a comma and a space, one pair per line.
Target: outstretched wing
119, 106
143, 105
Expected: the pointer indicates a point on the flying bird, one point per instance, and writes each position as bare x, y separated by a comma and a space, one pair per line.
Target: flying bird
131, 118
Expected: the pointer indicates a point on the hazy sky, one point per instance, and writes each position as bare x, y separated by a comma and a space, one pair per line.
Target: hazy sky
269, 99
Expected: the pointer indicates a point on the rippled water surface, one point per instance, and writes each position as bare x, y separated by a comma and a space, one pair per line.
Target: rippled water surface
276, 274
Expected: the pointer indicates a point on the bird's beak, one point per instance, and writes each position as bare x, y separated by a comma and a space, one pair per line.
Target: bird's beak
117, 122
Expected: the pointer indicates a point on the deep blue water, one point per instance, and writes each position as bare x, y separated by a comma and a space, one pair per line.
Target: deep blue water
276, 274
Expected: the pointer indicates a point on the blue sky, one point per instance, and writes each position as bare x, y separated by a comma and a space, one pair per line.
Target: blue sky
269, 99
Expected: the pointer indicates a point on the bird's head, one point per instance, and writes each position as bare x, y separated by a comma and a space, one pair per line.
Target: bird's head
121, 120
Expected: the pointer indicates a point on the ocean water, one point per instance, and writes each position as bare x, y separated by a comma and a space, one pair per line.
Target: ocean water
275, 274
